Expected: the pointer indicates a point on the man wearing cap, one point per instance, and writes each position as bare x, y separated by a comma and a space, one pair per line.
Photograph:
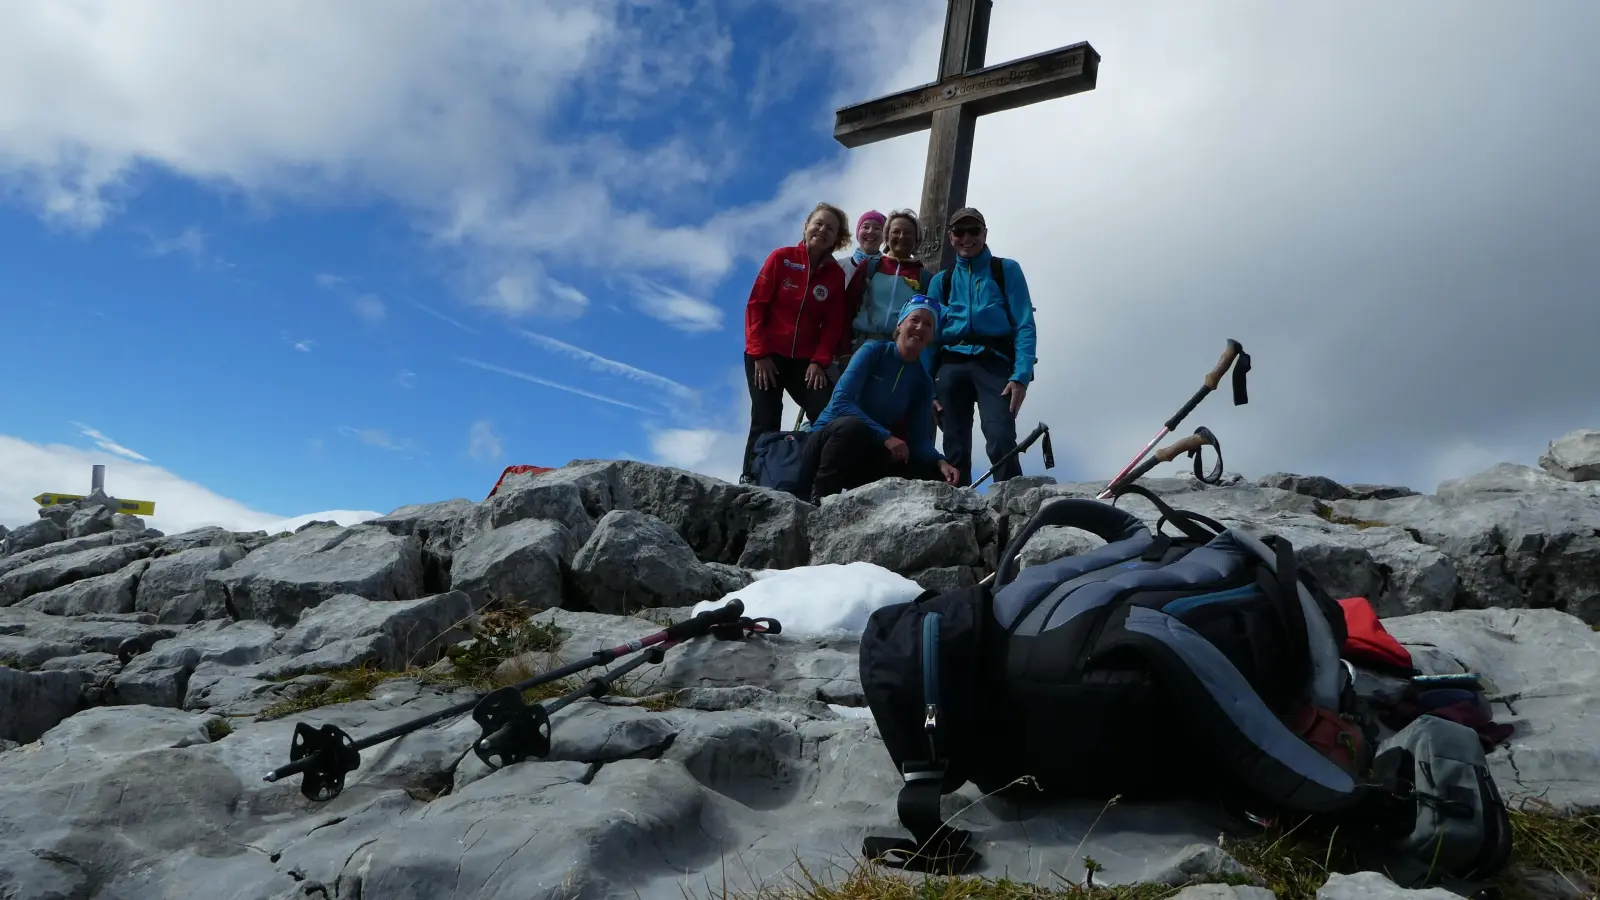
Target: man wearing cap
984, 354
879, 422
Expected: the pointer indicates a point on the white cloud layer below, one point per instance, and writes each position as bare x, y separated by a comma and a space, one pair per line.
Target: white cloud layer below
28, 469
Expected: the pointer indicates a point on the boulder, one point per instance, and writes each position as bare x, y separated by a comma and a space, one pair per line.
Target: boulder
392, 634
737, 524
1517, 536
535, 498
32, 703
522, 564
636, 561
52, 572
160, 676
90, 520
281, 580
33, 535
1574, 457
173, 588
1317, 486
441, 528
110, 593
599, 482
904, 526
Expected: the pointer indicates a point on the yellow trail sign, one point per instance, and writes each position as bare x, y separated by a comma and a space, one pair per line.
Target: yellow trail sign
130, 507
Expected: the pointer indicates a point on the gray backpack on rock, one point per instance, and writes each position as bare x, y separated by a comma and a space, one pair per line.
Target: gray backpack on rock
1459, 825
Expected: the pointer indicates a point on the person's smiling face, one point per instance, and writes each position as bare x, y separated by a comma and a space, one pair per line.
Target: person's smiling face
967, 237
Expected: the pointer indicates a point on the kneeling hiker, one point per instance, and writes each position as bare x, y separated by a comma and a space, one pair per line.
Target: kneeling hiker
879, 422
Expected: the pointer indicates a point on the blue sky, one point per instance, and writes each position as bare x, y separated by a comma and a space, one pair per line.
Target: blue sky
305, 257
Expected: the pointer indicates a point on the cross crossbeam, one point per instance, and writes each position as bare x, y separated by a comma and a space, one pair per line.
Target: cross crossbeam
949, 107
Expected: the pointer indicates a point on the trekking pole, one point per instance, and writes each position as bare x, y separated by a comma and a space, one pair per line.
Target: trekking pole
1213, 378
325, 755
1191, 445
1040, 431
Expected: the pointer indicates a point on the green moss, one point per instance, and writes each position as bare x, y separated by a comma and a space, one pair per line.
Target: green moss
343, 686
217, 729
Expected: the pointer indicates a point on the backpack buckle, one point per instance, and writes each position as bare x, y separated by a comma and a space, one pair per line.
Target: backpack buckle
930, 717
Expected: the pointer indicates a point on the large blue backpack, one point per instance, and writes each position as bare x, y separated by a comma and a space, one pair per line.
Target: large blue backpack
1154, 666
779, 462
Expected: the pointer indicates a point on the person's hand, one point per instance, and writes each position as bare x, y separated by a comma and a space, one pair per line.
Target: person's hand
1017, 391
816, 377
898, 449
951, 473
766, 374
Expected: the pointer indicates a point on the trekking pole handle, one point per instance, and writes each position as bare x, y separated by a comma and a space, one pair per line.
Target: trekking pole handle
701, 625
1212, 379
1177, 448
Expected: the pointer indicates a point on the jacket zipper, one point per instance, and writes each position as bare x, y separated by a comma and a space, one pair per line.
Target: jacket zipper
794, 346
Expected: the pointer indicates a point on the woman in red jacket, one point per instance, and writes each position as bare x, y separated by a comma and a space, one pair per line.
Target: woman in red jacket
792, 323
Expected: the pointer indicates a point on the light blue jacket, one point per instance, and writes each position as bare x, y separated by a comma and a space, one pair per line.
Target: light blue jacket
973, 307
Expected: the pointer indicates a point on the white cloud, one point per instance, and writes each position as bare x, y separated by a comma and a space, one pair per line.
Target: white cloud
329, 280
192, 241
674, 307
482, 443
370, 308
443, 318
406, 378
377, 437
1375, 228
513, 373
303, 346
107, 444
28, 469
600, 363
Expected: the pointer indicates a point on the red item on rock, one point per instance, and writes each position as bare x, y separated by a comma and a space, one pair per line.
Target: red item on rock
1369, 644
517, 470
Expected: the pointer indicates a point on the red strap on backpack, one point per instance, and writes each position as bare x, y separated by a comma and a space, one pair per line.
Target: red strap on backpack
1369, 644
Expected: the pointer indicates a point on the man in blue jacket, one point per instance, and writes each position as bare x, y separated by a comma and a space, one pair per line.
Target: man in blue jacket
985, 352
879, 422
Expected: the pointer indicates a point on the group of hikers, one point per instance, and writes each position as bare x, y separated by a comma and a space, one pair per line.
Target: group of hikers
879, 351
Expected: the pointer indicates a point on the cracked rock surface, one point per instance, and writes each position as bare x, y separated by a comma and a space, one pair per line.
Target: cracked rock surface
148, 683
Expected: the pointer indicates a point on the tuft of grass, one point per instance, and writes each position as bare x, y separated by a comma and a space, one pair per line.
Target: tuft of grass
343, 686
501, 634
1326, 514
1545, 840
217, 729
1293, 863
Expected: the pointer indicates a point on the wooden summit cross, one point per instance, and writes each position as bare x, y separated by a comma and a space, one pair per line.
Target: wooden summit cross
949, 108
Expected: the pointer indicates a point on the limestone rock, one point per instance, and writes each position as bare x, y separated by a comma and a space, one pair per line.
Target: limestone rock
1054, 542
535, 498
441, 528
1317, 486
521, 564
109, 593
90, 520
903, 526
1373, 886
160, 676
33, 536
32, 703
279, 581
392, 634
635, 560
744, 525
1575, 456
52, 572
173, 588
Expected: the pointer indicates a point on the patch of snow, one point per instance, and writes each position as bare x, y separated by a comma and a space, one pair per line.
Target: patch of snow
821, 600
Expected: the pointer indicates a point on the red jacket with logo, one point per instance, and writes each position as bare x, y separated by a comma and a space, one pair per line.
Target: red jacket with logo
796, 311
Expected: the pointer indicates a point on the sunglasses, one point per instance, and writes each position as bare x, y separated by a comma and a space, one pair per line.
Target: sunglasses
967, 231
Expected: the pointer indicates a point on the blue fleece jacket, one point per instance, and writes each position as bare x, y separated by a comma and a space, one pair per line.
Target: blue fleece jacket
973, 307
884, 390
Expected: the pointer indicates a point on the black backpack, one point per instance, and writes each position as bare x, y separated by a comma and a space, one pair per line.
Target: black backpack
1143, 668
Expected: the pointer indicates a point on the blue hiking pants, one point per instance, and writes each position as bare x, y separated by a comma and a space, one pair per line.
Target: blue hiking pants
961, 383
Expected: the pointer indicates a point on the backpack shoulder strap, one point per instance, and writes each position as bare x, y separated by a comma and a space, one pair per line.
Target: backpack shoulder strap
997, 271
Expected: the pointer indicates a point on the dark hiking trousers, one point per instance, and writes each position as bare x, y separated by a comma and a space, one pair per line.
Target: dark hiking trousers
962, 382
846, 453
766, 406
